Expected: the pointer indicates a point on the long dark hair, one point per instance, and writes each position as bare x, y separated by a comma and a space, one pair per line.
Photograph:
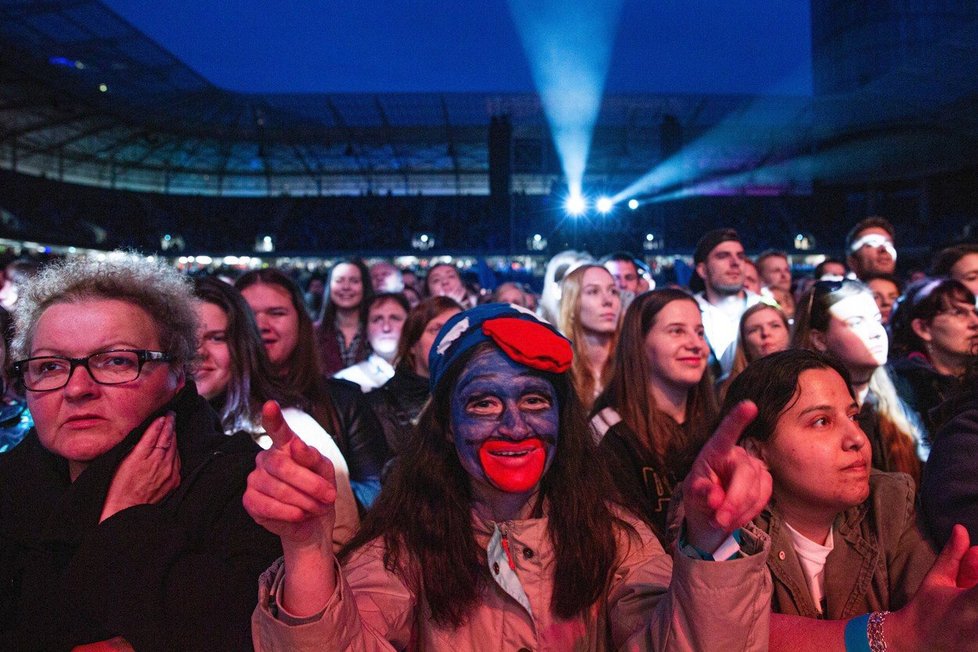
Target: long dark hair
304, 375
251, 381
329, 307
630, 395
424, 513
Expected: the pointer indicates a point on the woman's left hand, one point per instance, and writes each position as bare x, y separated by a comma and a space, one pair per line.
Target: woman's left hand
726, 487
149, 472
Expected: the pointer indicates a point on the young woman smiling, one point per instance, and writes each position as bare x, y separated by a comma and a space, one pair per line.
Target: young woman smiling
659, 405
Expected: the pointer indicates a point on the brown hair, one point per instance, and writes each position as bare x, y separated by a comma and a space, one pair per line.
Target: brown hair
414, 326
629, 390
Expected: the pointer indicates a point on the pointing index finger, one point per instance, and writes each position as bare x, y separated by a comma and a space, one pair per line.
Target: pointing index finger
274, 424
734, 424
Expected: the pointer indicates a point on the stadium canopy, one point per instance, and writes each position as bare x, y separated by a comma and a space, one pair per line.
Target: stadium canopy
87, 98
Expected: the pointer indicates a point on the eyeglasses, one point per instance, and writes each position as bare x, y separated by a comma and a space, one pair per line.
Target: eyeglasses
50, 372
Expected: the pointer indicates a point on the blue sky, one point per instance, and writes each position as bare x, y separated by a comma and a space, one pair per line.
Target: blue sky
661, 46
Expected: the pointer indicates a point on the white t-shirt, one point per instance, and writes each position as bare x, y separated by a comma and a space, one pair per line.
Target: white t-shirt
812, 557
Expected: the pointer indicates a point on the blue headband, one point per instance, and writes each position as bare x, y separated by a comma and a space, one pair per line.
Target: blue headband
519, 334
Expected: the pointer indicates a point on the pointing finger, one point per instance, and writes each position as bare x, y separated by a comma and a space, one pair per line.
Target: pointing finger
733, 425
274, 424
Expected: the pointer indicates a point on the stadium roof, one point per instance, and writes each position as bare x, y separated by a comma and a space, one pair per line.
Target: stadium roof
87, 98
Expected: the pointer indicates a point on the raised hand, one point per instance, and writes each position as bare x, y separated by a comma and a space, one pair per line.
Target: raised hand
149, 472
292, 490
942, 615
726, 486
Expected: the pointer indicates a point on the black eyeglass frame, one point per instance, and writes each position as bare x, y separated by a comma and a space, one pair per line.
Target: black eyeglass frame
142, 357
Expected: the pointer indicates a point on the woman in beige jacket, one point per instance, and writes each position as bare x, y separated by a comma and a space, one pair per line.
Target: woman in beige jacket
496, 530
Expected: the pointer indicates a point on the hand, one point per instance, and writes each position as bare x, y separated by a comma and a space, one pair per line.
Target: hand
292, 491
149, 472
942, 615
726, 486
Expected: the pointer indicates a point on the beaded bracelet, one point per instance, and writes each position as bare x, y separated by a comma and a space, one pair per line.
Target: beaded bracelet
874, 631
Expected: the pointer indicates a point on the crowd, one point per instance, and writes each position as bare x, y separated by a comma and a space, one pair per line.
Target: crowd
381, 459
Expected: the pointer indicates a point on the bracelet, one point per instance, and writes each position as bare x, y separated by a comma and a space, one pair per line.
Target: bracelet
874, 631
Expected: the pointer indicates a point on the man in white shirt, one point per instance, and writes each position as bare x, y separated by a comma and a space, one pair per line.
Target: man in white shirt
719, 259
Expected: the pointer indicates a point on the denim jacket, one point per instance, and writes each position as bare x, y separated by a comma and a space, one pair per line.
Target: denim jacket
878, 562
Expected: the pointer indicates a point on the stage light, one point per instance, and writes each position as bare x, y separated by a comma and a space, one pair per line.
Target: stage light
103, 88
633, 204
575, 204
604, 204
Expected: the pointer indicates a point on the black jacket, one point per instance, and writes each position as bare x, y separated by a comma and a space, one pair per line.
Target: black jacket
949, 489
178, 575
397, 403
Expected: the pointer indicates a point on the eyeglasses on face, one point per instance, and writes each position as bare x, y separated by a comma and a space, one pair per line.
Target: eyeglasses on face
115, 367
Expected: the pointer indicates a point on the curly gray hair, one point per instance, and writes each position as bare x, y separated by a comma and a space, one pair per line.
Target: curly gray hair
154, 286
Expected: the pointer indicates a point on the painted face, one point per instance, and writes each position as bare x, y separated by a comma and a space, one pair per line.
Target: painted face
213, 370
966, 271
505, 423
346, 286
600, 303
876, 254
723, 269
278, 321
764, 333
84, 419
856, 335
676, 348
818, 456
885, 294
384, 323
776, 273
952, 333
624, 273
422, 347
444, 281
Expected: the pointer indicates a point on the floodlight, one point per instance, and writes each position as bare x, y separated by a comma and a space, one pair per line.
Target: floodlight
633, 203
604, 205
575, 204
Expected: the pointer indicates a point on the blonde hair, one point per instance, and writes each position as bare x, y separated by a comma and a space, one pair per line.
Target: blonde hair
569, 323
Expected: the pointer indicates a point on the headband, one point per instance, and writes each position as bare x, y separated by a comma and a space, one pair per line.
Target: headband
520, 335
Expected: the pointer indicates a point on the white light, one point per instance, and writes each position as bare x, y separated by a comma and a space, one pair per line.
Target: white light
424, 237
103, 88
267, 239
649, 237
204, 260
575, 204
633, 204
537, 237
604, 205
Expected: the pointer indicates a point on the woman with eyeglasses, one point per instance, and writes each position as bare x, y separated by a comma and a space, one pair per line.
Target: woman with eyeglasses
841, 318
233, 373
935, 339
659, 406
120, 513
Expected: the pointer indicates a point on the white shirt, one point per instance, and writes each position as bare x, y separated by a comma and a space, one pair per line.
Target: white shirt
368, 374
812, 557
721, 323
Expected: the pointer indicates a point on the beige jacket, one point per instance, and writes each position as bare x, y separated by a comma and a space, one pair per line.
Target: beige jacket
708, 606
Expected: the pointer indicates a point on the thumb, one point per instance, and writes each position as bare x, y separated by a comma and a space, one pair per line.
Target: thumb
733, 425
945, 569
274, 424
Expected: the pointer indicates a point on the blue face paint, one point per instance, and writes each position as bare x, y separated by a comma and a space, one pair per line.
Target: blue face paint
505, 422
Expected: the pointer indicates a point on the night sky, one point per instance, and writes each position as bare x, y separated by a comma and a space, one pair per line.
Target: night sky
662, 46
